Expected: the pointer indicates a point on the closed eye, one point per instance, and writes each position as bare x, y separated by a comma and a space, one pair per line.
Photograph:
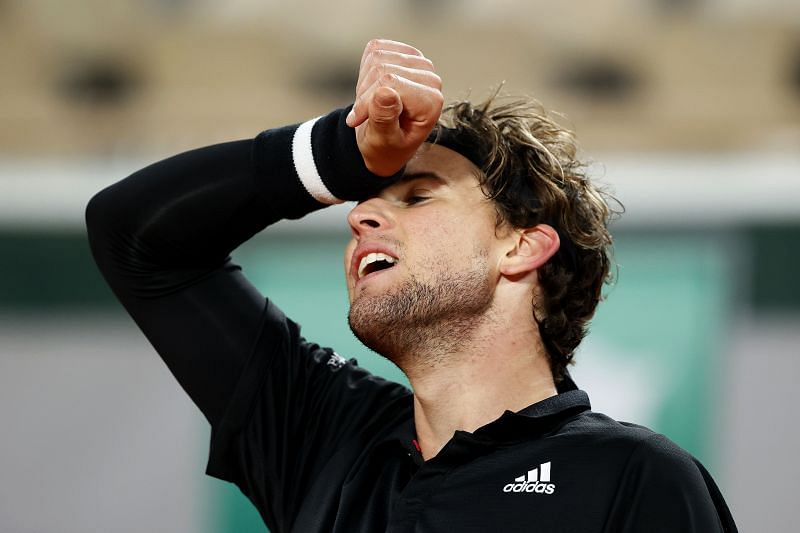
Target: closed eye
416, 196
411, 200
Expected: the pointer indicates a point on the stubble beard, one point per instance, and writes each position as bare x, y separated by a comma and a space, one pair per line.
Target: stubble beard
422, 323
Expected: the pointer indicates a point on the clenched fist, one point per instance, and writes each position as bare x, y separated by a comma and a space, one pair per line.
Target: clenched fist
398, 102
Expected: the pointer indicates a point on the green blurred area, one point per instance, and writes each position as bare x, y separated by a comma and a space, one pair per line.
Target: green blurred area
667, 313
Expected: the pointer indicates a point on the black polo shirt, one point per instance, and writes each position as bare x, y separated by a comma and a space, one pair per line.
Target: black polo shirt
320, 445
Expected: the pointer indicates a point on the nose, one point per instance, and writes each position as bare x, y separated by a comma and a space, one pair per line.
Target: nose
369, 215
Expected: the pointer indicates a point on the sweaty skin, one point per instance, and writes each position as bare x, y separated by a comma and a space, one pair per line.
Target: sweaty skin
461, 289
454, 313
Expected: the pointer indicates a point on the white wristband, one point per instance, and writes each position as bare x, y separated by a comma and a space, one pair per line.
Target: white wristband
306, 169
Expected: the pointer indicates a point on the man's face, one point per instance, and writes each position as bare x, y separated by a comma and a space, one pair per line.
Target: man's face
422, 264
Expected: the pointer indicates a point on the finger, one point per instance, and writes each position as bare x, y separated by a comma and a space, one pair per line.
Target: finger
423, 77
422, 104
385, 108
383, 57
361, 106
398, 58
389, 46
360, 111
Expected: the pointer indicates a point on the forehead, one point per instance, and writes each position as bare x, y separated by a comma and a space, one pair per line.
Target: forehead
444, 163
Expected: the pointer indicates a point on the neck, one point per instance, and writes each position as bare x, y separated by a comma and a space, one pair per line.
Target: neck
496, 368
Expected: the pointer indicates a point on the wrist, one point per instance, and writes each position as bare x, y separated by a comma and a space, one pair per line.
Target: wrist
329, 162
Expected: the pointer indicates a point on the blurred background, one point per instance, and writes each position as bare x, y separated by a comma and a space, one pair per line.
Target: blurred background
688, 109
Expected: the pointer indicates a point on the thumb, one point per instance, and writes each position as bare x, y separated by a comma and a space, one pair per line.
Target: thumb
385, 108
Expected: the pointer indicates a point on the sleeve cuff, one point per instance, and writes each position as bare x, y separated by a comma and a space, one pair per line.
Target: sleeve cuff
323, 156
338, 162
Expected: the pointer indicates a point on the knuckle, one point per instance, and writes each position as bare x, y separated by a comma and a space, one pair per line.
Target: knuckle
437, 98
382, 119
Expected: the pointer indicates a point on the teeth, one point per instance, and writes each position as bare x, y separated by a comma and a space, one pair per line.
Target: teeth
371, 258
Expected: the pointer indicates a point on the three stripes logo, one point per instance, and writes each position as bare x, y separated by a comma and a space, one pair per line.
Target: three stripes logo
536, 480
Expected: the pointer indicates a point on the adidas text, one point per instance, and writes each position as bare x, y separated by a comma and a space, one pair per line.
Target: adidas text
536, 486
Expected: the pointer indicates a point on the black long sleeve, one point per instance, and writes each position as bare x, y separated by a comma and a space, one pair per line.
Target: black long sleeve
162, 239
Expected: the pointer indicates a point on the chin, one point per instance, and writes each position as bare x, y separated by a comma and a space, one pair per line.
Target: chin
426, 319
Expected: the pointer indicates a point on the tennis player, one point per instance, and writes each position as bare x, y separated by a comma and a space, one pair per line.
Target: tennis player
479, 249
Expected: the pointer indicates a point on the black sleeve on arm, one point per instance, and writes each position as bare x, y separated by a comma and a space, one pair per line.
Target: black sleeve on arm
162, 239
664, 489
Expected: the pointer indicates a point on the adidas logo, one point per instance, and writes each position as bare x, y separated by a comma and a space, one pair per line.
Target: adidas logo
335, 361
536, 480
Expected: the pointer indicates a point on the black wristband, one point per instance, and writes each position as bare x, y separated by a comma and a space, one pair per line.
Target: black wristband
339, 160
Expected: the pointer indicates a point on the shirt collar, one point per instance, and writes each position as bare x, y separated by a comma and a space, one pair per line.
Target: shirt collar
539, 418
569, 398
534, 420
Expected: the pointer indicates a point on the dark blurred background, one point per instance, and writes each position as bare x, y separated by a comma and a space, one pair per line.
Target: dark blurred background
688, 109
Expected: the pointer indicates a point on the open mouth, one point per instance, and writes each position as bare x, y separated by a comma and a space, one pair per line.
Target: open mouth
374, 262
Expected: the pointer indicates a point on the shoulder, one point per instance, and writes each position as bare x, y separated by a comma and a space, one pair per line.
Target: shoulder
653, 480
600, 429
658, 453
630, 452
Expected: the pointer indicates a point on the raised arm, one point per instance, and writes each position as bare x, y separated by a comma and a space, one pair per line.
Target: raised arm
162, 237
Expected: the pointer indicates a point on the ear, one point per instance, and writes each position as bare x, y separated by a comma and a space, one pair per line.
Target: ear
532, 248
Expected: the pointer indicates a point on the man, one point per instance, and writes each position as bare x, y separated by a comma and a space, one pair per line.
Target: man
476, 261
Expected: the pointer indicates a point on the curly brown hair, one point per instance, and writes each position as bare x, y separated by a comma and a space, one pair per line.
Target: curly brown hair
530, 170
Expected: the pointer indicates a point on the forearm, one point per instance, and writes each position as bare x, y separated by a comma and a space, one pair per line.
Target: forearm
162, 237
174, 221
